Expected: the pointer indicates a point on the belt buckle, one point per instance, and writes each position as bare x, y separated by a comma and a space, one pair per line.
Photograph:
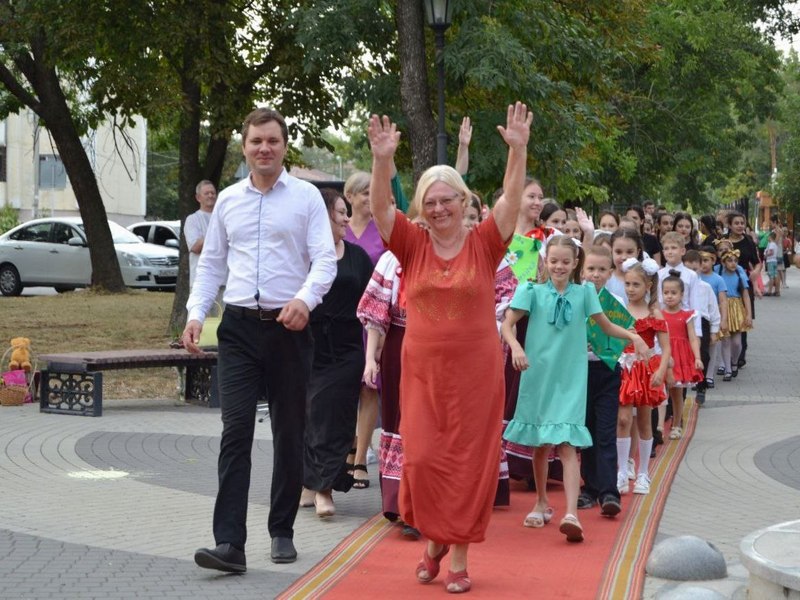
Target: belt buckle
265, 315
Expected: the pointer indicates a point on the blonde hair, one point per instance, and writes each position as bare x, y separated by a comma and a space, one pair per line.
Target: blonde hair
356, 183
603, 250
673, 237
444, 173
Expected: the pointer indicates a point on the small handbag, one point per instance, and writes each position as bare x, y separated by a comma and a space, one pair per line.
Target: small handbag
208, 336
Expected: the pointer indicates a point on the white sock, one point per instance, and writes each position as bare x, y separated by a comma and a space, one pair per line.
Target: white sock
623, 452
645, 446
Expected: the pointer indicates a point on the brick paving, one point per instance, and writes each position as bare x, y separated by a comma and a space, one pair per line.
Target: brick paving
740, 472
114, 507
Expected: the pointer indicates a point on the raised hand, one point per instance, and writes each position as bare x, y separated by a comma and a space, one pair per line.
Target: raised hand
518, 126
383, 136
465, 132
584, 222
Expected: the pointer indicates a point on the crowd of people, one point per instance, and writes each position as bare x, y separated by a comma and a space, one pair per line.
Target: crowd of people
526, 340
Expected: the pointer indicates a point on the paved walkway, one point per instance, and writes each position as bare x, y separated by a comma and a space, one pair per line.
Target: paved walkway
741, 470
114, 507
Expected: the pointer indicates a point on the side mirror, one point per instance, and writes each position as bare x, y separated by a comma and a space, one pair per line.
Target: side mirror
172, 243
76, 241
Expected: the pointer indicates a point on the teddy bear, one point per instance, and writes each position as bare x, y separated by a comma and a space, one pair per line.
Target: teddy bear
20, 354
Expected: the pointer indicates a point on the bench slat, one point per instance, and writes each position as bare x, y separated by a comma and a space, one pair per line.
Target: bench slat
125, 359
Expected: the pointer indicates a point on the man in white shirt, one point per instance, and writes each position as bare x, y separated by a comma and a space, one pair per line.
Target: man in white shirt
271, 234
196, 225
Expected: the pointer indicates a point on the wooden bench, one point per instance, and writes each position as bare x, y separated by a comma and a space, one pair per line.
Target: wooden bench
72, 383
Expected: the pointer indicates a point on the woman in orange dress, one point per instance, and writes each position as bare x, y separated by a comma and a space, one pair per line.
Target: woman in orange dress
451, 388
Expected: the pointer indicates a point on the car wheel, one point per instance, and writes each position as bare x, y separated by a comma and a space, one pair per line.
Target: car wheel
62, 289
10, 283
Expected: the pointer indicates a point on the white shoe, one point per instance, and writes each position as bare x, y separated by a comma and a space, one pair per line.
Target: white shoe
622, 483
372, 458
642, 485
631, 469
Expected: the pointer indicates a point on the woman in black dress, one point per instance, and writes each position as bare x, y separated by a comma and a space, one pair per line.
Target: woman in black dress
332, 401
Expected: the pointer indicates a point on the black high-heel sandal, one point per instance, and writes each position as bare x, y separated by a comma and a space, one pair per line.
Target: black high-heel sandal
360, 484
349, 465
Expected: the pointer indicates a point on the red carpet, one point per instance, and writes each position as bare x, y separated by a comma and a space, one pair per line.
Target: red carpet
514, 561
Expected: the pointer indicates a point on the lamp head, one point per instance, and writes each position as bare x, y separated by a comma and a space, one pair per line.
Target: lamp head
439, 13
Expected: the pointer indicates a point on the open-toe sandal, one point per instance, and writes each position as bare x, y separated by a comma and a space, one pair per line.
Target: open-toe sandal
428, 567
351, 458
458, 582
360, 484
571, 527
537, 519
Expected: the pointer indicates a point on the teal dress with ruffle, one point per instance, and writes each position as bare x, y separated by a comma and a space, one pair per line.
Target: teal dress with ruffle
551, 406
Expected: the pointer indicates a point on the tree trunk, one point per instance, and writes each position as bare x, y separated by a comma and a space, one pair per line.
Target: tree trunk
189, 174
55, 112
414, 91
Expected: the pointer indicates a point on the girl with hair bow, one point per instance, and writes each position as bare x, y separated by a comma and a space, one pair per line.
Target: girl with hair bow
642, 383
739, 316
551, 407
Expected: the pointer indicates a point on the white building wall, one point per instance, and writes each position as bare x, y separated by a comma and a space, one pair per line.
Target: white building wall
120, 168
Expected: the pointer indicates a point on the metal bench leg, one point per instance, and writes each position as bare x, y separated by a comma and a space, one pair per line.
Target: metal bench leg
201, 384
72, 393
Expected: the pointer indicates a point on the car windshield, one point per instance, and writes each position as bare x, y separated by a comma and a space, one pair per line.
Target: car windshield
119, 234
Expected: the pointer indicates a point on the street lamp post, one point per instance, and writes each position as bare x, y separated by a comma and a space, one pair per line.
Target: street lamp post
439, 14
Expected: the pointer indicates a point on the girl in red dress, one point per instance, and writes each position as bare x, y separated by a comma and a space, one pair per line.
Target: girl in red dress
642, 383
687, 367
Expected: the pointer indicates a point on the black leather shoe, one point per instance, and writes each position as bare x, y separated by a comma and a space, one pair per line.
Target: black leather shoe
283, 550
586, 501
610, 506
222, 558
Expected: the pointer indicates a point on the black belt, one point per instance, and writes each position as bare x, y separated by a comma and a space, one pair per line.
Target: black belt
262, 314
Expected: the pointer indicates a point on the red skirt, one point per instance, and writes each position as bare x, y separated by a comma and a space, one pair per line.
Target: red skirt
635, 388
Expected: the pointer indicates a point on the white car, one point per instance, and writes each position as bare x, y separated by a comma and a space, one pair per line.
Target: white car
53, 253
163, 233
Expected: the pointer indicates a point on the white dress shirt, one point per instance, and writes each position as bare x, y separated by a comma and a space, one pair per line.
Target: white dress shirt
276, 246
709, 305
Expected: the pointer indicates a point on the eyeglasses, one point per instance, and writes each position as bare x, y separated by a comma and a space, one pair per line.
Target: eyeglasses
430, 205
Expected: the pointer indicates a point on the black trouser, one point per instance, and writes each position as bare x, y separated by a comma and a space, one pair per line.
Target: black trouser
258, 358
705, 354
599, 462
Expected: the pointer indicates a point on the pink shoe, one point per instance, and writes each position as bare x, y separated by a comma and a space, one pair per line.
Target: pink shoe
571, 527
428, 567
457, 583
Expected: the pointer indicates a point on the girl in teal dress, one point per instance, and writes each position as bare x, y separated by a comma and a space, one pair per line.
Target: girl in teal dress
551, 407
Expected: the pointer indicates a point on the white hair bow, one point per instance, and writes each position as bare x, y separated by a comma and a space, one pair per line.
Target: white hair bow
648, 264
629, 264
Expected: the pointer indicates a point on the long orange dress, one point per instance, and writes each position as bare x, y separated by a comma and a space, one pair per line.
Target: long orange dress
452, 387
